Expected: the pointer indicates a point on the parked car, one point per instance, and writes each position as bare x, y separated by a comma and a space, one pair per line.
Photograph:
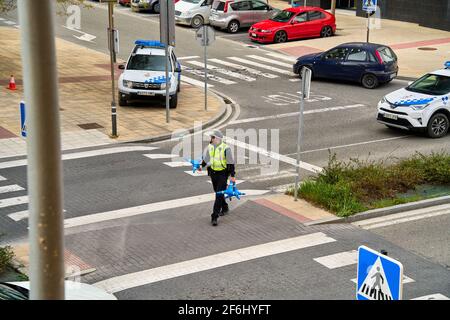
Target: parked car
193, 13
232, 15
146, 5
73, 291
125, 2
367, 63
294, 23
424, 105
144, 75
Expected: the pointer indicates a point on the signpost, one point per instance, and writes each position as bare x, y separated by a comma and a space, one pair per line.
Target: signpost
370, 6
112, 53
379, 276
305, 90
167, 36
205, 36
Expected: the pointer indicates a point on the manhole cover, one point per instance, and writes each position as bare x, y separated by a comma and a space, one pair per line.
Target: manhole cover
87, 126
427, 48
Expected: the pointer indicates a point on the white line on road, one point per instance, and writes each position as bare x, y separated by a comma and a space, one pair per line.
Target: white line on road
2, 178
189, 57
338, 260
79, 155
282, 57
272, 176
11, 188
243, 68
9, 22
195, 82
148, 208
223, 71
176, 164
436, 296
403, 217
211, 77
291, 114
9, 202
276, 62
20, 215
260, 65
149, 276
197, 173
160, 155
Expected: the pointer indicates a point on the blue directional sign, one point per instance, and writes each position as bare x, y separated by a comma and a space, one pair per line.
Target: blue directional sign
379, 277
369, 5
23, 127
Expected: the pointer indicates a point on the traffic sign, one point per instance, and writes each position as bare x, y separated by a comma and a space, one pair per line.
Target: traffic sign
379, 276
370, 5
205, 35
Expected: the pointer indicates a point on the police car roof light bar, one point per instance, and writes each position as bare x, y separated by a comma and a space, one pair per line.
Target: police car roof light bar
149, 43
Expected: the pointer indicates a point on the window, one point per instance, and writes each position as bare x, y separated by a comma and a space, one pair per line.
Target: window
283, 16
372, 58
257, 5
302, 17
315, 15
147, 62
241, 6
431, 84
387, 54
357, 54
219, 5
336, 54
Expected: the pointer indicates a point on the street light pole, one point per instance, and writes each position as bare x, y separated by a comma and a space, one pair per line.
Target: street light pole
44, 169
112, 55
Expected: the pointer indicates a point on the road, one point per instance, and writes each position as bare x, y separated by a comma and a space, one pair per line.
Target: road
161, 224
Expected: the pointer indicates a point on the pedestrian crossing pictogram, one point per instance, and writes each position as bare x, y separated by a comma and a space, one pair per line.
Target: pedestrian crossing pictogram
375, 287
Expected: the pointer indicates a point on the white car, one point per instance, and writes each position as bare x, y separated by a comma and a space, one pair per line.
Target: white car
73, 291
424, 105
144, 75
193, 13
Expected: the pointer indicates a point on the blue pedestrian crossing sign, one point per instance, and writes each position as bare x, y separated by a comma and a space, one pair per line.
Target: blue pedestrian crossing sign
369, 5
379, 276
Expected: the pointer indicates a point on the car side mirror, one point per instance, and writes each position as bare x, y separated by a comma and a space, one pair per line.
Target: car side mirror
121, 66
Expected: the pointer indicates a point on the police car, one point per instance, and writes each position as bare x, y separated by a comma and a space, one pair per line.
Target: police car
422, 106
144, 75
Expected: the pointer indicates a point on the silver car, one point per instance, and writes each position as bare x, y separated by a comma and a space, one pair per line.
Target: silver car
145, 5
232, 15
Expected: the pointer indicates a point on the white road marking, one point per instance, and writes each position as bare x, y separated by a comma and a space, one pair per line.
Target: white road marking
189, 57
9, 22
79, 155
291, 114
260, 65
2, 178
276, 62
295, 80
338, 260
282, 57
20, 215
405, 280
273, 155
160, 155
147, 208
176, 164
223, 71
195, 82
436, 296
237, 181
11, 188
211, 77
197, 173
403, 217
85, 37
149, 276
9, 202
1, 19
268, 177
243, 68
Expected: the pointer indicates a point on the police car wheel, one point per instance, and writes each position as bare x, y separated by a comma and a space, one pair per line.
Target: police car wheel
369, 81
173, 101
438, 126
122, 102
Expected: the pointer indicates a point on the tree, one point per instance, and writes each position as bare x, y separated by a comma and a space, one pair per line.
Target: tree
9, 5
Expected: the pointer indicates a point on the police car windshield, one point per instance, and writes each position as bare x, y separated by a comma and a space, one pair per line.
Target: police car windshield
432, 84
147, 63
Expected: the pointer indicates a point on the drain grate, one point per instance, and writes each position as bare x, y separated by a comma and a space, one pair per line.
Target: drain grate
88, 126
253, 47
427, 48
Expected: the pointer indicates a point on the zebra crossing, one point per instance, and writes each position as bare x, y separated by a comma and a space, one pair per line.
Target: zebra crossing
235, 70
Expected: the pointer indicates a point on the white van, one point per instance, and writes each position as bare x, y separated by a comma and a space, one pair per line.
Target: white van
193, 13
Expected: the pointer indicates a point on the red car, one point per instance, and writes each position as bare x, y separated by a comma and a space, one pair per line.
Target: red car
125, 2
294, 23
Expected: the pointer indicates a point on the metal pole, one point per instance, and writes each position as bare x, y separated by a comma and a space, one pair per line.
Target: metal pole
206, 67
368, 19
300, 129
112, 60
167, 65
44, 170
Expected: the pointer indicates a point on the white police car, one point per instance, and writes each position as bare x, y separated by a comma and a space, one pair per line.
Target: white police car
144, 75
424, 105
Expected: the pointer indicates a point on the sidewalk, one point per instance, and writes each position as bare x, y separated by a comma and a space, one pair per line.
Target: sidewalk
85, 101
406, 39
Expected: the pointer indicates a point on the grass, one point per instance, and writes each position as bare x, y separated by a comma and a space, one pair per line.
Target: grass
346, 188
6, 256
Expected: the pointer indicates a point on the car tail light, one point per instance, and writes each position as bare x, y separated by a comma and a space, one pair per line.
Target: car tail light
379, 58
225, 9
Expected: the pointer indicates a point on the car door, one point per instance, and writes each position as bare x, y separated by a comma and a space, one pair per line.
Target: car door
295, 29
244, 12
355, 64
315, 23
330, 63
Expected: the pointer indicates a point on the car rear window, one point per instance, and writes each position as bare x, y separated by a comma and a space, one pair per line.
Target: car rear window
387, 54
219, 5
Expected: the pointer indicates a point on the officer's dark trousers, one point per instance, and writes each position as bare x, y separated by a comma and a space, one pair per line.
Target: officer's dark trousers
219, 182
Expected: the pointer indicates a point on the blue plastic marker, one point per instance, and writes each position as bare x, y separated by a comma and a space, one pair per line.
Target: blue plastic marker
23, 128
231, 192
196, 164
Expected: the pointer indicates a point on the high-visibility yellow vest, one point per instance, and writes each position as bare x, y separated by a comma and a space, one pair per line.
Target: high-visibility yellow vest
217, 157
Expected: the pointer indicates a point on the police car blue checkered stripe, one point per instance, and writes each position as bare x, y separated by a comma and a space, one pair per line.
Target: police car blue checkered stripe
410, 102
159, 79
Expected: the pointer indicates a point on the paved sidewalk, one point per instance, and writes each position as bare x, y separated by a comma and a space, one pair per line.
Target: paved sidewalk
406, 39
85, 101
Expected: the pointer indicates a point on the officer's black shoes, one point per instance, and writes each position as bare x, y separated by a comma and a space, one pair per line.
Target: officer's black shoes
224, 211
214, 221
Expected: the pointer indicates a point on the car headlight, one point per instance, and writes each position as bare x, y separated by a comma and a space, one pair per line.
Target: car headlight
266, 31
163, 85
383, 100
419, 106
128, 84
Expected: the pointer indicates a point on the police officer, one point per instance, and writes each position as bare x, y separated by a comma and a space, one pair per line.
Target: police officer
218, 158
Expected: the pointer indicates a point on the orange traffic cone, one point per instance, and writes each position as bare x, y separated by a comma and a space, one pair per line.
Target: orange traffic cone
12, 83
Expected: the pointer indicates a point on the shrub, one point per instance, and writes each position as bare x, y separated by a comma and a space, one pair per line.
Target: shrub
6, 256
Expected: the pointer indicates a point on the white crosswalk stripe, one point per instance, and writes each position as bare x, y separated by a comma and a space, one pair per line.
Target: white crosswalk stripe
260, 65
243, 68
175, 164
11, 188
211, 77
17, 216
9, 202
283, 57
222, 71
197, 173
2, 178
276, 62
195, 82
160, 156
338, 260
